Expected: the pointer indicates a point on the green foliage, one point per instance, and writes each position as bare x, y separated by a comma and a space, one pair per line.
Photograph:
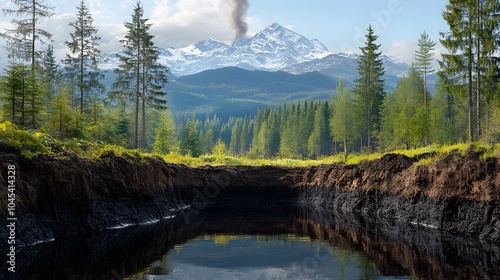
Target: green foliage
404, 115
320, 141
369, 88
219, 150
26, 32
29, 144
165, 139
140, 77
471, 62
13, 93
344, 119
63, 120
359, 121
83, 59
423, 59
190, 141
492, 133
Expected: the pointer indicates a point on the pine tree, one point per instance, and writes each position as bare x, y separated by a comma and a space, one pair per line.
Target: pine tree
343, 121
423, 58
14, 93
140, 77
320, 141
369, 88
190, 141
208, 141
473, 38
62, 119
289, 135
306, 127
234, 145
244, 137
404, 116
83, 56
165, 139
23, 38
50, 74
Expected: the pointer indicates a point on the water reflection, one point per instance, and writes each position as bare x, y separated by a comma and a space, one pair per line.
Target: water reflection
284, 256
309, 244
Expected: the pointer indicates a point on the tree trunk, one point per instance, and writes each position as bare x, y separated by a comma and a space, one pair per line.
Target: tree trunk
470, 58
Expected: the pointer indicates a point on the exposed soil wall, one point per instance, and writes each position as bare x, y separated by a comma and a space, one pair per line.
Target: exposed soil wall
65, 195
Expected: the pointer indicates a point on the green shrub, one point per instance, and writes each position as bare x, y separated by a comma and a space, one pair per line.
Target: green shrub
29, 144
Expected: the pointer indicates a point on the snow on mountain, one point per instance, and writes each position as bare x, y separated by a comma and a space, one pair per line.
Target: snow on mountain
273, 48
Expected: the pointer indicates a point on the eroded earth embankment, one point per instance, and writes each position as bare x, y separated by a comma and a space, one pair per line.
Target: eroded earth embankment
64, 195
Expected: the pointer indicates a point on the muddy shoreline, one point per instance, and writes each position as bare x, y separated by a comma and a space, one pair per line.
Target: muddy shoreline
66, 195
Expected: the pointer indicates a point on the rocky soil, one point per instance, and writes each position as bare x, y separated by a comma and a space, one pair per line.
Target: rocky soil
64, 195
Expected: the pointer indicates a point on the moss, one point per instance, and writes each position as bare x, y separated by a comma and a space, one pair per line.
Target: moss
32, 143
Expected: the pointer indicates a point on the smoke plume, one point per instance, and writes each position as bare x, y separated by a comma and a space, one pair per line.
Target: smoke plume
238, 21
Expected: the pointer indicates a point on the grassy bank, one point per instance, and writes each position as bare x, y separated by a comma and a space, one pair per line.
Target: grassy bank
31, 143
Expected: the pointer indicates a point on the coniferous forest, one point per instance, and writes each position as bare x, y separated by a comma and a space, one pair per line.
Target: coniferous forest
68, 100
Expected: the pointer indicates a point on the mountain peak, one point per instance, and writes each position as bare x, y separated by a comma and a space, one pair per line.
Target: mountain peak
273, 48
209, 44
275, 26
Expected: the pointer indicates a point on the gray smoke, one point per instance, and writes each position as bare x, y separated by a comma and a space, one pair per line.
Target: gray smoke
238, 14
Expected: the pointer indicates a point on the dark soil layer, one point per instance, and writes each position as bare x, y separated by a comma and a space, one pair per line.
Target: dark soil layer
61, 196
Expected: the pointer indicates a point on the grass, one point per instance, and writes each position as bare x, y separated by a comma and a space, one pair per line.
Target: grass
33, 143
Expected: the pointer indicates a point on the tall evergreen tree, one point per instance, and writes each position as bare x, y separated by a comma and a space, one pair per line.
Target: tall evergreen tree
14, 93
140, 76
27, 32
369, 87
50, 74
343, 121
244, 141
472, 41
320, 141
306, 126
423, 58
290, 134
190, 140
404, 116
165, 139
83, 55
234, 145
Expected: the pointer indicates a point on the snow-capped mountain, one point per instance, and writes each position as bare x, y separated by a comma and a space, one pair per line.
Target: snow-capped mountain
273, 48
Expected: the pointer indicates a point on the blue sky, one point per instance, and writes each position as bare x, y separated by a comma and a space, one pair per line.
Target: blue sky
340, 25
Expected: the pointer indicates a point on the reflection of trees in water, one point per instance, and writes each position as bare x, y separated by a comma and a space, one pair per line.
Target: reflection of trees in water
373, 246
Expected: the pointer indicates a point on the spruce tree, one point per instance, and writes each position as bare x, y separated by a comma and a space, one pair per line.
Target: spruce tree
165, 139
50, 74
23, 38
190, 140
306, 126
83, 56
140, 77
343, 121
14, 93
244, 141
423, 58
404, 116
472, 42
234, 145
369, 88
320, 141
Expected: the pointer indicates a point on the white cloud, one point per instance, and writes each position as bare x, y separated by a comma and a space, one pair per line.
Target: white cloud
110, 34
403, 50
191, 21
161, 9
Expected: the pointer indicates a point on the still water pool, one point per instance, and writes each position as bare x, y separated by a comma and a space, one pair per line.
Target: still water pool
285, 256
263, 244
